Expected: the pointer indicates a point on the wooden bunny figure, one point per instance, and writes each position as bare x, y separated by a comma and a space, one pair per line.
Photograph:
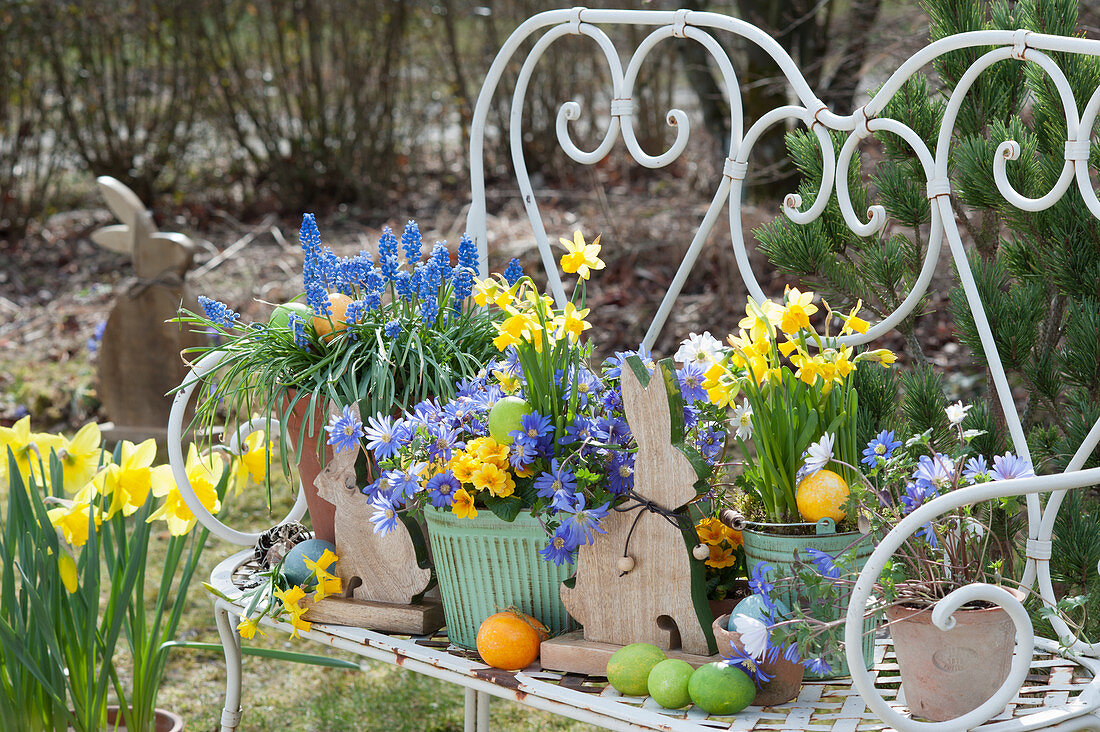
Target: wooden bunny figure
639, 582
372, 566
139, 355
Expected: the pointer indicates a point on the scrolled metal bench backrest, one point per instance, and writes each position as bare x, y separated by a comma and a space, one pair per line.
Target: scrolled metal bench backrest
699, 27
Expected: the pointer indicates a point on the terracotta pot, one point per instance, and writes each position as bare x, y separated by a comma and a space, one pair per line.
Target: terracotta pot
321, 513
786, 676
946, 674
164, 721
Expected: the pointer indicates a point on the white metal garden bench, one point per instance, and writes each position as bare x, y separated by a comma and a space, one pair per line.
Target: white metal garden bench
1063, 691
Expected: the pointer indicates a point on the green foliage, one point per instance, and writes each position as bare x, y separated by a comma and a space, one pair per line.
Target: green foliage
1036, 272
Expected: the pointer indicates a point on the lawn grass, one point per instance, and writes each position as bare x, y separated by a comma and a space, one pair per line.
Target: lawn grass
286, 696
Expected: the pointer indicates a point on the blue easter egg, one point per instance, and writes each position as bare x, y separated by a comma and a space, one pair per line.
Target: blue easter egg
294, 566
753, 606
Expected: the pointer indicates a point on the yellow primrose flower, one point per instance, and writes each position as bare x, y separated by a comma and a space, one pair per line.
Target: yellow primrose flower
581, 258
492, 478
732, 536
71, 519
854, 323
720, 556
797, 312
489, 450
462, 466
81, 457
462, 504
709, 530
248, 627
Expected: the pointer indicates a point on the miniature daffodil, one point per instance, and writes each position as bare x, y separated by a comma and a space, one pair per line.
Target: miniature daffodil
581, 258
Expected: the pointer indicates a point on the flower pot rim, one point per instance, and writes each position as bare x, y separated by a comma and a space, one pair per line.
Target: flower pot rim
919, 610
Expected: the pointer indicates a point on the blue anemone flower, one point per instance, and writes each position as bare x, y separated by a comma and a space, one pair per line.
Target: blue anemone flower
344, 430
385, 516
882, 446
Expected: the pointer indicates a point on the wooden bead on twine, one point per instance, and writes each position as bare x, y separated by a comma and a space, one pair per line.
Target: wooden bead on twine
700, 552
625, 564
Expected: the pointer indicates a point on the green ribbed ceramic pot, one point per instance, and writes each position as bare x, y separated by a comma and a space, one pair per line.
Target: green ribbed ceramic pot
485, 565
778, 550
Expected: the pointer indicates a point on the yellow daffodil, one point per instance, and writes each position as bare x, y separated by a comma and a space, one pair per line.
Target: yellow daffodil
797, 311
203, 473
81, 457
252, 462
720, 385
492, 291
328, 584
290, 599
882, 355
72, 520
326, 560
843, 363
462, 504
572, 321
128, 483
760, 319
720, 556
509, 384
581, 258
66, 567
853, 323
515, 328
788, 347
248, 627
31, 450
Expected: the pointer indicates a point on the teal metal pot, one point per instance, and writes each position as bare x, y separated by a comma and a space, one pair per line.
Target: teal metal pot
763, 544
485, 565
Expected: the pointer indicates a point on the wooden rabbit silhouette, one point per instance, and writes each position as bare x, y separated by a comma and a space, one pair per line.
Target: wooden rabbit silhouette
372, 566
139, 354
661, 598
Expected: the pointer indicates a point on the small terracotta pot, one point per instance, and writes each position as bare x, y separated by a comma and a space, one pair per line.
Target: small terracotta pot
164, 721
786, 676
946, 674
322, 514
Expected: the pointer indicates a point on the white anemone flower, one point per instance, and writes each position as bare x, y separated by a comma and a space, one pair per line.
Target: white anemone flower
754, 635
700, 349
818, 454
742, 419
956, 413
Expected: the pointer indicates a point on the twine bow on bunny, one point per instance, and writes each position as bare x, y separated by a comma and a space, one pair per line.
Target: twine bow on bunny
659, 589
